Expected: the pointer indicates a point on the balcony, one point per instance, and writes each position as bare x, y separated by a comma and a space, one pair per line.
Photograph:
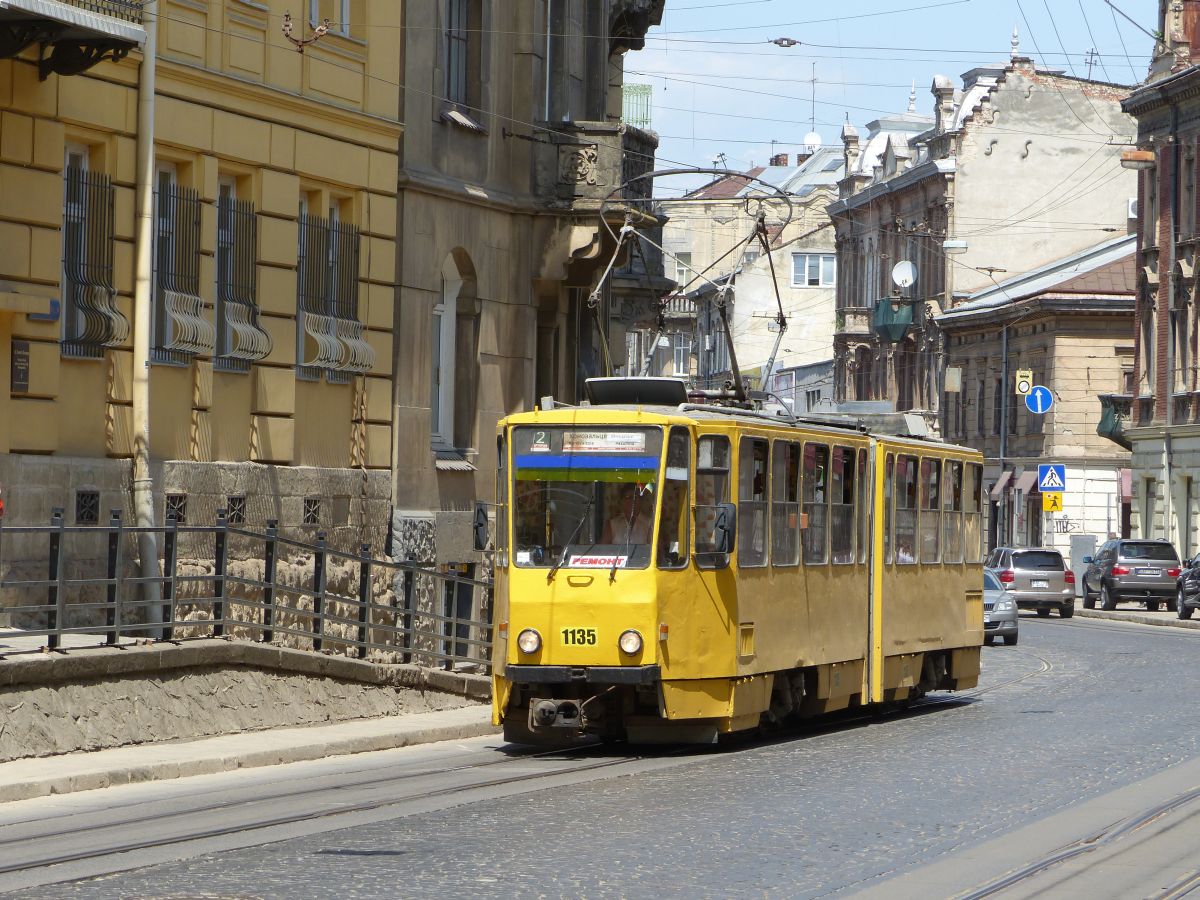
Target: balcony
582, 163
73, 35
1115, 410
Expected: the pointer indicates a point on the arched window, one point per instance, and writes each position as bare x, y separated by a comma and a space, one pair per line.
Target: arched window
454, 375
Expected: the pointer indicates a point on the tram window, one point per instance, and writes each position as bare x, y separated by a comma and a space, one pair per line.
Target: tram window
889, 467
501, 503
712, 489
952, 548
841, 520
906, 509
931, 526
752, 503
864, 505
673, 526
972, 513
785, 508
816, 504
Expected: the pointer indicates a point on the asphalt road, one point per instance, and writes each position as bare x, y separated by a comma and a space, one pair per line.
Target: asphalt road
1083, 726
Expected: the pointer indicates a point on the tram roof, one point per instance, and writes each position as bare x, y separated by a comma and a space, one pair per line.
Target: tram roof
889, 426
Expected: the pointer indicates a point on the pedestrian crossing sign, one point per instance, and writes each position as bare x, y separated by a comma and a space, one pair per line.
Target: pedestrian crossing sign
1052, 502
1052, 477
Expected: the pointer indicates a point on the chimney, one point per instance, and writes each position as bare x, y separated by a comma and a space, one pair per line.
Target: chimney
850, 151
943, 108
779, 159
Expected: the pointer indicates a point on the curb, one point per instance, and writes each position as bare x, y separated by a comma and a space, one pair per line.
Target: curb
1168, 620
26, 779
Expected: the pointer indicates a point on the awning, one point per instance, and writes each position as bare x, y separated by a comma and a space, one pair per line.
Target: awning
451, 461
1001, 482
1126, 479
1027, 482
115, 19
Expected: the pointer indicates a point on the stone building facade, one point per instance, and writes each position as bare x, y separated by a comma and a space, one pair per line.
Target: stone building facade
1069, 323
513, 143
1014, 170
1164, 399
272, 240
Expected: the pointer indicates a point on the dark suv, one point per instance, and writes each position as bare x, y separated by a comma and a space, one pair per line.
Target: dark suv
1132, 570
1187, 589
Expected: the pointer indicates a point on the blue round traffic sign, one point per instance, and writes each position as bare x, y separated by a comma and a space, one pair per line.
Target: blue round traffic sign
1039, 399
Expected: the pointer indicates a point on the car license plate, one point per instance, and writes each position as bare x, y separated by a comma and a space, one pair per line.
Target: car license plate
1040, 582
580, 637
1148, 571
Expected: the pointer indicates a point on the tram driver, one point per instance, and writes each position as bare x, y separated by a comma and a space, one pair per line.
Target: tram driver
631, 516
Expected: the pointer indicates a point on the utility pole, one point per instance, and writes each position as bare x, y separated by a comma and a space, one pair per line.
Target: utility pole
1092, 58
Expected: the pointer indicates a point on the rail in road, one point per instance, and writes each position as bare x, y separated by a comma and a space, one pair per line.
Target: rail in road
169, 827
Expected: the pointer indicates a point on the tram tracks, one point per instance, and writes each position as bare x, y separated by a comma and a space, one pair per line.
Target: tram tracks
169, 828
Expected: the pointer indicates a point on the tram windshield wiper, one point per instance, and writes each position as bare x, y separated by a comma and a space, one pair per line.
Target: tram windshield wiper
612, 573
587, 508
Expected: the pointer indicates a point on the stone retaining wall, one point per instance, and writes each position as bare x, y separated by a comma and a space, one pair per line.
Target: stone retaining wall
96, 699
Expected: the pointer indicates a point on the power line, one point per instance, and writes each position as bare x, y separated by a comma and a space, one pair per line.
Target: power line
1088, 25
1062, 46
1121, 37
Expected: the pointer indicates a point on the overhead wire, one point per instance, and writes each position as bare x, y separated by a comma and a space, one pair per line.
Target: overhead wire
1088, 25
1121, 38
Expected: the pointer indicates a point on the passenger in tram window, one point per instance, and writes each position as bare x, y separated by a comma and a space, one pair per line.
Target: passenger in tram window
631, 519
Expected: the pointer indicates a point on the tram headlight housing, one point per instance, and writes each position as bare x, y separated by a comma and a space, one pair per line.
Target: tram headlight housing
529, 641
630, 642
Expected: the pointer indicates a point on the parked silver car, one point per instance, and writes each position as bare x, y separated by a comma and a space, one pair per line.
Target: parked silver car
1037, 578
1132, 570
999, 612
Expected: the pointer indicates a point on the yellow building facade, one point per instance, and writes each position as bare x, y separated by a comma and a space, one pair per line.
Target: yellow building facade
274, 255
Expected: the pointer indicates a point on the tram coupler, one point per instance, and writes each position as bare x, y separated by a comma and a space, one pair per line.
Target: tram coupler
554, 713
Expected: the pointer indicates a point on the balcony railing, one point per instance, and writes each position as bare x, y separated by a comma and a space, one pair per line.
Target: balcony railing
240, 338
331, 338
129, 10
182, 328
91, 319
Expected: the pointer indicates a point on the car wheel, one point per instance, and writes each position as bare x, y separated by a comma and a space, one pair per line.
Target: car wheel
1107, 600
1043, 612
1065, 612
1151, 606
1181, 608
1010, 640
1089, 599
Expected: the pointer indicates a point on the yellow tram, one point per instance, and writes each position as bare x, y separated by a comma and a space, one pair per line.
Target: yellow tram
676, 572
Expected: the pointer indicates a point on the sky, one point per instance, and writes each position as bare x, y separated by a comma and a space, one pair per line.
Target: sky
720, 86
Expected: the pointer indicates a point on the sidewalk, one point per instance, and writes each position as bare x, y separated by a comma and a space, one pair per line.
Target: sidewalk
23, 779
1140, 617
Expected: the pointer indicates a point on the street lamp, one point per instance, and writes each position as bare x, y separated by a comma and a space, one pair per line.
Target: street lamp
954, 247
1137, 159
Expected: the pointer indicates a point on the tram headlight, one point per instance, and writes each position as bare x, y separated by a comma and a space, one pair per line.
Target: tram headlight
630, 642
529, 641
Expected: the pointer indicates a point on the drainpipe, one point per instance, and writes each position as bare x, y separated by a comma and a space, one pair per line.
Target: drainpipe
1005, 520
143, 487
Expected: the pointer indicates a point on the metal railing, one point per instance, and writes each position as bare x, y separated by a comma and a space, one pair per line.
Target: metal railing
129, 10
222, 581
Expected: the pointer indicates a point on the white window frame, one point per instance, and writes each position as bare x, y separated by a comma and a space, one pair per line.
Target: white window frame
683, 263
819, 270
681, 350
342, 26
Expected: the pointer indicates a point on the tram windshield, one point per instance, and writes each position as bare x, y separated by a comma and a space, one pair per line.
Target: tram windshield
584, 497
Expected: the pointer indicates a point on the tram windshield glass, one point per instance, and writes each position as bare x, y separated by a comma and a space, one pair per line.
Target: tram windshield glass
584, 497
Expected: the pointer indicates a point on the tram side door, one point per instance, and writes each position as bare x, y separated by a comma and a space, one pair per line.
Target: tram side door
881, 466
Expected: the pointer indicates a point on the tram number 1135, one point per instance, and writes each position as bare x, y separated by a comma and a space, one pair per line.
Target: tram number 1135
583, 637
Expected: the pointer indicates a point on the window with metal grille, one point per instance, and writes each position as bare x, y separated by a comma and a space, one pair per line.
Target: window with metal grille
240, 338
91, 320
312, 511
330, 337
177, 508
87, 507
235, 510
181, 325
